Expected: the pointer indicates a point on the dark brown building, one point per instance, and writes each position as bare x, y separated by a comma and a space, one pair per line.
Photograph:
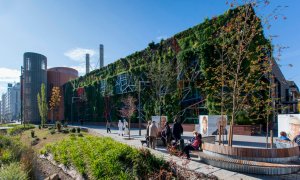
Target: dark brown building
58, 76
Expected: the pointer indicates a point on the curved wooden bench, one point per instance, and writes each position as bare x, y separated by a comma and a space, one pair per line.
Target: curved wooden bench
263, 155
246, 166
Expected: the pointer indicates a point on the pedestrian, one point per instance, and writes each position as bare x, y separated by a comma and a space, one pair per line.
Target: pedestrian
177, 130
283, 136
108, 127
153, 130
147, 134
125, 127
166, 134
120, 126
195, 143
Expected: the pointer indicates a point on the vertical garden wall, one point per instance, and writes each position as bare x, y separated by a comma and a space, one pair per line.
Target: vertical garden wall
179, 71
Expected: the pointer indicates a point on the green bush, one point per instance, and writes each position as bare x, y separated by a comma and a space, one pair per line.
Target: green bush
65, 131
78, 130
73, 130
104, 158
32, 133
19, 129
52, 131
13, 171
11, 149
58, 126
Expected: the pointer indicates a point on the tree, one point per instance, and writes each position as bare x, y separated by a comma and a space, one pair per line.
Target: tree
42, 104
162, 75
237, 64
55, 100
128, 109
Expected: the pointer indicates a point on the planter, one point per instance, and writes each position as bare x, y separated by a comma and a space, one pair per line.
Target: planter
282, 155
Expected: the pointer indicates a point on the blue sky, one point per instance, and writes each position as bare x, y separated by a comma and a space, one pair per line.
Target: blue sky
64, 30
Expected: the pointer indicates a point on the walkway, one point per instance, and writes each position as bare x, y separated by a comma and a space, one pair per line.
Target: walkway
193, 165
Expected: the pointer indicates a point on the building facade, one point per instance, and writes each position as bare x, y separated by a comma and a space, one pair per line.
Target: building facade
57, 77
286, 93
34, 74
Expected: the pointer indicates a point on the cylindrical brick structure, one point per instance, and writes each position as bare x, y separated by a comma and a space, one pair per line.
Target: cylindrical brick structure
58, 76
34, 75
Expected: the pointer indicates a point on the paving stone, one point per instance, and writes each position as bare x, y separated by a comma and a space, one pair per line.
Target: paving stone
223, 174
207, 169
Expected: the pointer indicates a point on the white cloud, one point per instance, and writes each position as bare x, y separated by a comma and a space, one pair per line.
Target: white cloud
9, 75
78, 54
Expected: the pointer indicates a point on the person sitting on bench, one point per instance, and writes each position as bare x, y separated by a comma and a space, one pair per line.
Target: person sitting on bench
194, 144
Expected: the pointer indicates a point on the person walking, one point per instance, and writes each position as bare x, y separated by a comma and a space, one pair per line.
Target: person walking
120, 126
177, 130
147, 134
108, 127
125, 127
153, 130
195, 143
166, 134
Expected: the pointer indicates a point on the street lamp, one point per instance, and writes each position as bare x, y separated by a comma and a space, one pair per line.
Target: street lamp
140, 123
72, 107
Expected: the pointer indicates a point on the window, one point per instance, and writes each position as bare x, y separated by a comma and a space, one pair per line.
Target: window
43, 65
28, 64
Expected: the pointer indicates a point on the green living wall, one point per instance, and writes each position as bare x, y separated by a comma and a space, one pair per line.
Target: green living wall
190, 51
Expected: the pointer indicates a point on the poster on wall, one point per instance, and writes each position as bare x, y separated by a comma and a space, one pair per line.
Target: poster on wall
209, 124
289, 123
160, 120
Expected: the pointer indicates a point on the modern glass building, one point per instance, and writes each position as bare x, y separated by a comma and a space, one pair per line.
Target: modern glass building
34, 74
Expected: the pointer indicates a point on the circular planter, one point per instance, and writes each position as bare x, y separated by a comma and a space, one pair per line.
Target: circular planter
282, 155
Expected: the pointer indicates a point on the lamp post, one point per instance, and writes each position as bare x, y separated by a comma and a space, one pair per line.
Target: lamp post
140, 123
72, 107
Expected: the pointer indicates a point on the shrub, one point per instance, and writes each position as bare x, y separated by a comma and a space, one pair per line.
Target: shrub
80, 135
13, 171
19, 129
58, 126
104, 158
40, 127
78, 130
32, 133
73, 130
52, 131
65, 131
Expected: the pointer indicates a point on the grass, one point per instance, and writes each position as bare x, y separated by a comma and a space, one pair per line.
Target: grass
13, 171
104, 158
45, 137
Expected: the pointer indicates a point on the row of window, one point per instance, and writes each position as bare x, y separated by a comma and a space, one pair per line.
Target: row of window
28, 64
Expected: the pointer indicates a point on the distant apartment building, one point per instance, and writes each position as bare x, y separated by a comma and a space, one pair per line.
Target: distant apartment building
34, 74
11, 103
4, 107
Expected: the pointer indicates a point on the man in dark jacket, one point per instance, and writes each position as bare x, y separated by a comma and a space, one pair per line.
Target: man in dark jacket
177, 130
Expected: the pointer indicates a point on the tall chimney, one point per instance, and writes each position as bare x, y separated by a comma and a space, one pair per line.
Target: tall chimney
87, 63
101, 52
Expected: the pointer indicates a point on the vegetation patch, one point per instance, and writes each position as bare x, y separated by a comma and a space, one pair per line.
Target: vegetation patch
98, 158
18, 129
